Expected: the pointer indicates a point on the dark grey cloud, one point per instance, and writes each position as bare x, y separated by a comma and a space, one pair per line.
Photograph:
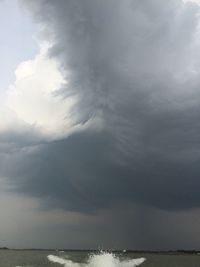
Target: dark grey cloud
134, 67
81, 173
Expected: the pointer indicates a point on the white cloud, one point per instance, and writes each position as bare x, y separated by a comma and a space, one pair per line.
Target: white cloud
32, 99
194, 1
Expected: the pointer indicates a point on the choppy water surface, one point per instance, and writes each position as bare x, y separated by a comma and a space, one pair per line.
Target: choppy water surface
13, 258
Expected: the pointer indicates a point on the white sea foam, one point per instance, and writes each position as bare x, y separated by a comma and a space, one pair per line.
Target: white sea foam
65, 262
98, 260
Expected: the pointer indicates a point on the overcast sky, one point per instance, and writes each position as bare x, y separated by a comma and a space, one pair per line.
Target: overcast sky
100, 124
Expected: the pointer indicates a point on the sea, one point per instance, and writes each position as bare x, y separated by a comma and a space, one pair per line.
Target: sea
44, 258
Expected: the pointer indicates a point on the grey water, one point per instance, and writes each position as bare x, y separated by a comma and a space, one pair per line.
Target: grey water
34, 258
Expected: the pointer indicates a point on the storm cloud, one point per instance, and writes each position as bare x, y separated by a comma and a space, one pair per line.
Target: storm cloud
133, 67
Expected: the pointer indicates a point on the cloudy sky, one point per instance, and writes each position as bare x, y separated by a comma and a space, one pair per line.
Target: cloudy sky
100, 124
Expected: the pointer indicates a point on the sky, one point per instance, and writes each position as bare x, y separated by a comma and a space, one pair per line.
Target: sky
17, 43
99, 124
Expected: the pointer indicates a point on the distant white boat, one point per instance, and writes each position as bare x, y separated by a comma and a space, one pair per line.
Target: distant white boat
124, 250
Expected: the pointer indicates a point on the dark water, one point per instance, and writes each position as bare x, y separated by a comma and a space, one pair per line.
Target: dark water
13, 258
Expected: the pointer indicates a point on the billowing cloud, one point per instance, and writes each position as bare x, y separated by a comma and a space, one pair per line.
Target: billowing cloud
118, 94
32, 100
134, 67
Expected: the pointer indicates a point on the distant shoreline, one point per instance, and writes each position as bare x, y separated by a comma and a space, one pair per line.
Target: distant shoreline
181, 252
